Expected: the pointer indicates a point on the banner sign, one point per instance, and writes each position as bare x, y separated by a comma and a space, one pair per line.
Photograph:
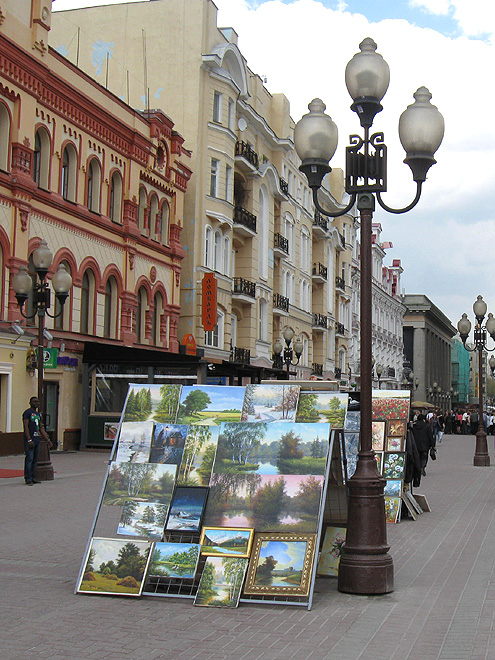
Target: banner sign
209, 302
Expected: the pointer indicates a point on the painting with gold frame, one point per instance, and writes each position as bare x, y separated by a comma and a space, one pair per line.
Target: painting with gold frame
281, 564
395, 444
226, 541
396, 427
378, 435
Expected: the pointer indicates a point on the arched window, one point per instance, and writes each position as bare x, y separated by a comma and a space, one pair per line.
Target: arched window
93, 184
156, 320
62, 313
154, 210
233, 330
142, 207
263, 233
4, 138
41, 158
289, 233
68, 173
263, 317
227, 251
87, 302
110, 313
217, 256
208, 246
165, 223
305, 250
215, 337
115, 205
342, 360
141, 315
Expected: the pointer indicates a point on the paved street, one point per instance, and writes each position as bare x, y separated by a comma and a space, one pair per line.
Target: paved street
442, 608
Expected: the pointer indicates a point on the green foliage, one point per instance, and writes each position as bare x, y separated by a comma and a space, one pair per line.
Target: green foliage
167, 408
240, 439
138, 407
148, 515
130, 562
289, 446
306, 465
195, 401
268, 501
128, 511
307, 410
208, 577
309, 495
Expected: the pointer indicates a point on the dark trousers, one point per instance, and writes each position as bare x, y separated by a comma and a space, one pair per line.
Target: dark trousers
30, 460
423, 458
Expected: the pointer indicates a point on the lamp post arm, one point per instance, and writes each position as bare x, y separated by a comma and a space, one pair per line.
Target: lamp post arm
384, 206
332, 214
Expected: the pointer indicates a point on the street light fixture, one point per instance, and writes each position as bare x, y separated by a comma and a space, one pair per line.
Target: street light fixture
366, 566
288, 355
481, 456
22, 284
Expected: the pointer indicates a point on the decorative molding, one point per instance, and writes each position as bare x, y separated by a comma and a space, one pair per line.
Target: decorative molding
2, 16
41, 46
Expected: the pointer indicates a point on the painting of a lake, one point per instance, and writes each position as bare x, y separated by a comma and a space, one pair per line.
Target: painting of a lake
221, 582
174, 560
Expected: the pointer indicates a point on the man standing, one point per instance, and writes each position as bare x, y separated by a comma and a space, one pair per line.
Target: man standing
33, 432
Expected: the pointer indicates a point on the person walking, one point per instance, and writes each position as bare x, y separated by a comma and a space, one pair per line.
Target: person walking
33, 432
423, 435
474, 422
441, 425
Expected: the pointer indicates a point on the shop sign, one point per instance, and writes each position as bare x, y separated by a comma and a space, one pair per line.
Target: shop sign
190, 343
50, 356
209, 302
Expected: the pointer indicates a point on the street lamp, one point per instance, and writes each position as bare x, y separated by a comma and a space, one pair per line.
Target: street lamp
410, 381
481, 457
22, 284
288, 355
366, 566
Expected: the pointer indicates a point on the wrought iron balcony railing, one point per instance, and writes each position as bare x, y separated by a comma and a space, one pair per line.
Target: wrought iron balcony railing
280, 302
320, 221
319, 270
284, 186
340, 283
240, 355
339, 328
244, 287
245, 218
317, 369
243, 149
281, 243
320, 321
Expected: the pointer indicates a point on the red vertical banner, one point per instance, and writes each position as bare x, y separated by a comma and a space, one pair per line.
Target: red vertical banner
209, 302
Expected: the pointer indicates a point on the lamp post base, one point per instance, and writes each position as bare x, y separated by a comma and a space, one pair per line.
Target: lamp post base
481, 456
44, 467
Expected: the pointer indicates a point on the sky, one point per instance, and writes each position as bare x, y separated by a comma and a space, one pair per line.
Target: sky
302, 48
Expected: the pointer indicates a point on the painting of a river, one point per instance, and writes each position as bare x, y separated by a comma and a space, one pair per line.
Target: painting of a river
221, 582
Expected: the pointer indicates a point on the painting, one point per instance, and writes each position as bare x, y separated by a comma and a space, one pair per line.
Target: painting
270, 403
281, 564
390, 405
397, 427
277, 448
226, 541
395, 444
379, 461
143, 519
198, 455
134, 442
393, 488
378, 435
329, 561
110, 430
392, 509
157, 403
116, 567
221, 582
167, 444
210, 404
351, 442
394, 465
174, 560
187, 508
352, 420
141, 482
327, 407
271, 503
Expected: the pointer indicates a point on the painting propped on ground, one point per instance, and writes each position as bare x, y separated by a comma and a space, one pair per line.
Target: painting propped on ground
143, 519
168, 443
115, 567
187, 508
331, 551
388, 404
210, 404
134, 442
226, 541
270, 403
278, 448
157, 403
221, 582
392, 509
328, 407
174, 560
198, 456
140, 482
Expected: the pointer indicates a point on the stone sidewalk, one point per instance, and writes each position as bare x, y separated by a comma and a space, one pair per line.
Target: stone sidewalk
442, 607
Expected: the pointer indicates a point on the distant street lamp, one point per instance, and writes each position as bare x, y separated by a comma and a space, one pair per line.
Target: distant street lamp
481, 456
365, 565
287, 357
22, 284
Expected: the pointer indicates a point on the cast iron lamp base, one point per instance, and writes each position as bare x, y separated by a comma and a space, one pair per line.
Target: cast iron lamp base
481, 456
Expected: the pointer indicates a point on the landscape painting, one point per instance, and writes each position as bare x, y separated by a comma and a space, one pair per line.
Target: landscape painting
281, 564
331, 550
390, 405
157, 403
210, 404
134, 442
115, 567
272, 503
174, 560
392, 509
221, 582
270, 403
143, 519
139, 482
393, 488
396, 427
377, 435
394, 465
226, 541
187, 508
396, 444
328, 407
167, 444
198, 455
278, 448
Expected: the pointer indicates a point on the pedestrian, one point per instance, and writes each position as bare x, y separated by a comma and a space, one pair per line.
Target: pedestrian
464, 423
441, 425
423, 436
474, 422
33, 432
448, 422
458, 421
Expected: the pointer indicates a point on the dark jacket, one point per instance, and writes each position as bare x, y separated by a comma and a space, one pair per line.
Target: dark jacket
423, 435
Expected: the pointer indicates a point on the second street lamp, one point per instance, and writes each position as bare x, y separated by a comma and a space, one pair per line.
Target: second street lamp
287, 357
365, 565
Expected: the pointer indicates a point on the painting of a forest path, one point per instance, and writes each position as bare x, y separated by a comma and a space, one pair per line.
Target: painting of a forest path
271, 503
210, 404
157, 403
198, 455
277, 448
139, 482
270, 403
143, 519
115, 567
174, 560
221, 582
134, 442
328, 407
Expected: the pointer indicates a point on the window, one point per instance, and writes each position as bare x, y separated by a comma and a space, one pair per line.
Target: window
154, 212
231, 117
217, 107
143, 202
263, 222
305, 250
62, 313
165, 223
228, 183
233, 330
214, 177
4, 138
156, 319
226, 256
110, 310
217, 255
214, 337
289, 233
87, 302
115, 205
262, 320
93, 186
141, 315
208, 246
68, 173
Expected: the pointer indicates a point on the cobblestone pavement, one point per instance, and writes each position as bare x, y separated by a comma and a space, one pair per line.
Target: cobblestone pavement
442, 607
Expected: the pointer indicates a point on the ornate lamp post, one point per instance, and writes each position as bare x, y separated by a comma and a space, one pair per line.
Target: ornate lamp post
365, 565
288, 355
481, 457
22, 284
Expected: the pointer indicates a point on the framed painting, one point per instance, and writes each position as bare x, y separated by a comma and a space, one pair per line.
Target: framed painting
143, 519
151, 402
395, 443
352, 420
210, 404
226, 541
141, 482
390, 405
110, 430
393, 488
392, 509
351, 441
167, 444
393, 465
334, 540
198, 455
378, 435
221, 582
281, 564
270, 403
174, 560
319, 407
397, 427
379, 461
186, 509
134, 442
115, 567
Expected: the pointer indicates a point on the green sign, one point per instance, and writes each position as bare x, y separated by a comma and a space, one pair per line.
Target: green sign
50, 356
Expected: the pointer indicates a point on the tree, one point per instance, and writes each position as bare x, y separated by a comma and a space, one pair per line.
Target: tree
208, 578
204, 470
148, 516
268, 501
197, 436
264, 571
248, 406
89, 563
336, 412
241, 438
233, 571
195, 401
130, 562
128, 511
307, 409
136, 477
290, 396
309, 495
289, 446
169, 402
317, 449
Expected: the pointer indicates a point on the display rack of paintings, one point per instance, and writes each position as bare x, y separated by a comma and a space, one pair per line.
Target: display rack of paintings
217, 494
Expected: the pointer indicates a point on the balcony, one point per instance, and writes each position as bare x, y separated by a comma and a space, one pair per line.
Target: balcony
280, 305
244, 290
320, 322
246, 157
284, 186
280, 245
340, 283
340, 329
320, 225
320, 273
240, 355
244, 222
317, 369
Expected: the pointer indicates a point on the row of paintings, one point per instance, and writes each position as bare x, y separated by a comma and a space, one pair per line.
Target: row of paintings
391, 465
388, 435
